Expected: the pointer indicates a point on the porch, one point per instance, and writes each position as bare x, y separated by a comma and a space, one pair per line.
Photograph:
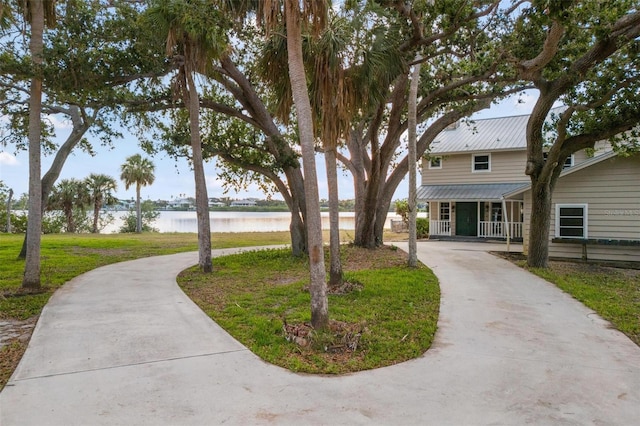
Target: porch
478, 211
486, 229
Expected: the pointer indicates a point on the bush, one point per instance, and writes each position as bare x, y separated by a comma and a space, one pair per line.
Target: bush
422, 227
402, 210
149, 215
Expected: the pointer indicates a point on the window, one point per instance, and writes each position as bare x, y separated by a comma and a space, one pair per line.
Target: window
435, 162
481, 163
567, 163
444, 211
571, 220
496, 212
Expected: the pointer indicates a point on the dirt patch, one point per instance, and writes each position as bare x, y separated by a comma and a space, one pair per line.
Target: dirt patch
357, 258
15, 330
14, 338
21, 292
345, 288
340, 339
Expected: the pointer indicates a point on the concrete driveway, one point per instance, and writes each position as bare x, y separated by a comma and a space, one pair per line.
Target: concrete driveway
122, 345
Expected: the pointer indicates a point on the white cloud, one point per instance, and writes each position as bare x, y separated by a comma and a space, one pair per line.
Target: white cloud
59, 124
7, 159
213, 182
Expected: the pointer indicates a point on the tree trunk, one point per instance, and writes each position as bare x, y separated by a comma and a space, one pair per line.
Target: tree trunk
366, 236
138, 210
31, 278
202, 197
298, 235
68, 213
413, 100
294, 192
50, 177
9, 211
335, 267
540, 221
318, 285
96, 215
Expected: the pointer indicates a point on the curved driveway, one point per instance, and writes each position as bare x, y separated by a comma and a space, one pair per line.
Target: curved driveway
122, 345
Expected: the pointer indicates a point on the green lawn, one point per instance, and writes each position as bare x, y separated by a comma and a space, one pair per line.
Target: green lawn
65, 256
388, 316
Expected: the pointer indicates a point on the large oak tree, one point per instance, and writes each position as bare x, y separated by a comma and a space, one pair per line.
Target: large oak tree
585, 55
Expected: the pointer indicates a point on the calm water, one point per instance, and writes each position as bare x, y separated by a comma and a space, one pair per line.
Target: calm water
173, 221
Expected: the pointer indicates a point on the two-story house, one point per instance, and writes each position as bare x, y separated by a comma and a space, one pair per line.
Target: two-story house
474, 182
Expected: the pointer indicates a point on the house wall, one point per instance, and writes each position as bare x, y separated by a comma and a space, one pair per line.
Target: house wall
611, 190
506, 166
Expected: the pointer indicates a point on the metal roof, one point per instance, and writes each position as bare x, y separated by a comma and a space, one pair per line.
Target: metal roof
470, 192
490, 134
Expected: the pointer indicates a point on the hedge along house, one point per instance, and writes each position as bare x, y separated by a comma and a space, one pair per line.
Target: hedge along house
473, 179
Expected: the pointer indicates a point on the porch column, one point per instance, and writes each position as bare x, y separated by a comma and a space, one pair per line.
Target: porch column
506, 223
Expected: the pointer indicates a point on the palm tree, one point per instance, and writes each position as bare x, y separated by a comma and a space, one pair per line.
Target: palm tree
139, 171
195, 37
69, 195
100, 188
268, 14
38, 14
318, 285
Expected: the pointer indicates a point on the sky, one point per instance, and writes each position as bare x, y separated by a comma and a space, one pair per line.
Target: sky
174, 178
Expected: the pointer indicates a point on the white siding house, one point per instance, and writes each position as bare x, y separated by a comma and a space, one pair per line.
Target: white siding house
473, 179
243, 203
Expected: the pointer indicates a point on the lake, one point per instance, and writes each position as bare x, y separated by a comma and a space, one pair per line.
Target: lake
181, 221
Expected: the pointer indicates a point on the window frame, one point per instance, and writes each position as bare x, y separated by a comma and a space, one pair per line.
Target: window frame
439, 166
585, 220
447, 205
473, 163
570, 159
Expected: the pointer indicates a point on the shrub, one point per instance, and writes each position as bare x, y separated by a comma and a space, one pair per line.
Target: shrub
149, 215
402, 210
422, 227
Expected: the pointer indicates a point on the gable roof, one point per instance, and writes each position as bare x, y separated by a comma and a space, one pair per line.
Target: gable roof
490, 134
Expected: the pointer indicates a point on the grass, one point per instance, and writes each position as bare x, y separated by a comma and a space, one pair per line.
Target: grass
393, 309
613, 293
65, 256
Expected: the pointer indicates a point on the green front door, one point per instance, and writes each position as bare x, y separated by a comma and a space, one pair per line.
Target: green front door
467, 219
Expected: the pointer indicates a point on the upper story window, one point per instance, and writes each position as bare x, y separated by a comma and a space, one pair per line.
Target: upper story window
571, 220
567, 163
481, 163
435, 162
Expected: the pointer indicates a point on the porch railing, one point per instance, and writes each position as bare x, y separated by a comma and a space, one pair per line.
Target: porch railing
498, 229
440, 227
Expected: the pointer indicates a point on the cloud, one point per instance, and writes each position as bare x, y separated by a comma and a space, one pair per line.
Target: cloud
59, 124
7, 159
